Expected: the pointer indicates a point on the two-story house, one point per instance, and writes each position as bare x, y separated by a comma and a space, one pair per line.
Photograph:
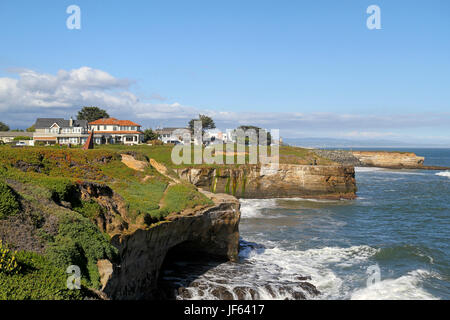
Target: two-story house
112, 130
60, 131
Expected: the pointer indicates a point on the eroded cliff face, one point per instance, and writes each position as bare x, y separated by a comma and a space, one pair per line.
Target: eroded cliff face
259, 182
393, 160
212, 231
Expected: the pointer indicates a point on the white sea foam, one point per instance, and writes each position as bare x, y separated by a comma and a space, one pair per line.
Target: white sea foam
444, 174
273, 272
367, 169
407, 287
251, 208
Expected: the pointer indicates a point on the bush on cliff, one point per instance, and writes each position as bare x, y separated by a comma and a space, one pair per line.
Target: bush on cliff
8, 201
89, 209
38, 279
79, 242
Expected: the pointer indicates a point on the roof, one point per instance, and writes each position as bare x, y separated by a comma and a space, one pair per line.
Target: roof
170, 130
114, 121
116, 132
45, 138
42, 123
16, 134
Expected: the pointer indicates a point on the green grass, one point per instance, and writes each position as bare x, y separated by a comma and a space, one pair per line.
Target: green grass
183, 196
142, 197
162, 154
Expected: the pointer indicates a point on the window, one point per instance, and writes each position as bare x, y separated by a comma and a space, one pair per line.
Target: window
104, 127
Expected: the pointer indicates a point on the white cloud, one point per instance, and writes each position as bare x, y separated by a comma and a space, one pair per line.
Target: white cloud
32, 94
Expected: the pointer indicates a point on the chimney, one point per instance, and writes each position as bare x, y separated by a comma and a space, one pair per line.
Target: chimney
71, 122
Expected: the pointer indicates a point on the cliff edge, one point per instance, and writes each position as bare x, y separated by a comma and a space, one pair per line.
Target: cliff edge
288, 181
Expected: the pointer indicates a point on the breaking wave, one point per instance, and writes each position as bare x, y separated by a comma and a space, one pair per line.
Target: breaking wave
444, 174
407, 287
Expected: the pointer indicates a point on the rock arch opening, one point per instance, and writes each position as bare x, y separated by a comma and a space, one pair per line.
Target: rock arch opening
182, 265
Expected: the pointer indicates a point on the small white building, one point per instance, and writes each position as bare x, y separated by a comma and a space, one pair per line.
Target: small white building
173, 135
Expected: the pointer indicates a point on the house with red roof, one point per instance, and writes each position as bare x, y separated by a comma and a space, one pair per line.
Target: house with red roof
112, 131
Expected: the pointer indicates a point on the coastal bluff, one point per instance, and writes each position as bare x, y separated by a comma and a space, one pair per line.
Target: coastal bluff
288, 181
211, 232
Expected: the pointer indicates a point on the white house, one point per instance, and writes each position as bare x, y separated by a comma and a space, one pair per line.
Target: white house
112, 130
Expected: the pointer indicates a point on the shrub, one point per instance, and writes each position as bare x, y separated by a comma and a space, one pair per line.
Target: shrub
18, 138
8, 262
8, 201
89, 209
38, 279
79, 242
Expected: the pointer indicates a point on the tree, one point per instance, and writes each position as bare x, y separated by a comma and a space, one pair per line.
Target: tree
3, 127
91, 114
149, 135
207, 123
258, 130
31, 129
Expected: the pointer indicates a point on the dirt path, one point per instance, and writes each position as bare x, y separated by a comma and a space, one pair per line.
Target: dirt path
162, 170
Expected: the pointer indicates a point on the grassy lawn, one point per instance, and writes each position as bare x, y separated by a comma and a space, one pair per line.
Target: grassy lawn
162, 154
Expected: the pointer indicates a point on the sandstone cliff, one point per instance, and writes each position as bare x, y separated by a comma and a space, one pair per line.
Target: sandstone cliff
212, 231
389, 159
257, 182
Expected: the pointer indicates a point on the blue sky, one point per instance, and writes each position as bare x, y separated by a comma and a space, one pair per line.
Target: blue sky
310, 68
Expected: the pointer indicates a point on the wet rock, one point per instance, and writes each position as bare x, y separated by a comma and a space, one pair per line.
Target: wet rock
270, 290
222, 293
310, 288
184, 293
245, 293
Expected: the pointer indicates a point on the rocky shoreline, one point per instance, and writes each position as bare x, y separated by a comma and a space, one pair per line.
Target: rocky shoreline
380, 159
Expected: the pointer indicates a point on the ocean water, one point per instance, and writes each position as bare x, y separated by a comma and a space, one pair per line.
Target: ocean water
399, 225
